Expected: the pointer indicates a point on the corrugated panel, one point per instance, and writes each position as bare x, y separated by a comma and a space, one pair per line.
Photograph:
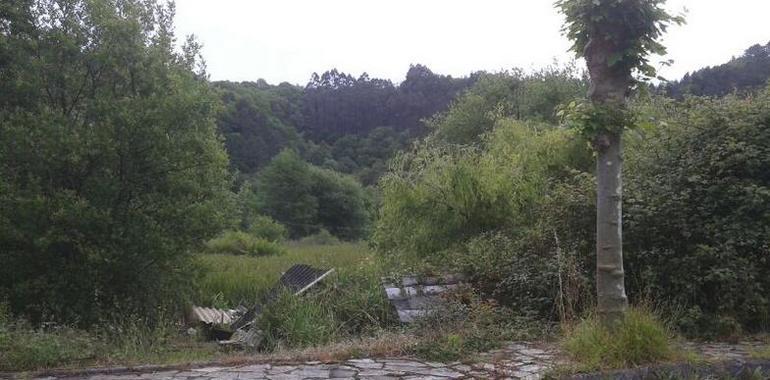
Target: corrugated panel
212, 316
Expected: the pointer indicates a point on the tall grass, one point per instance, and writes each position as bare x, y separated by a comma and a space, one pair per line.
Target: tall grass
230, 280
640, 338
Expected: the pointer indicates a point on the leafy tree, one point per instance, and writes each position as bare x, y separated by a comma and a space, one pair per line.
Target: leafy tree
112, 172
615, 37
307, 198
285, 193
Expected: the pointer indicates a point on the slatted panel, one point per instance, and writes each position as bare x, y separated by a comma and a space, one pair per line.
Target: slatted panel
414, 297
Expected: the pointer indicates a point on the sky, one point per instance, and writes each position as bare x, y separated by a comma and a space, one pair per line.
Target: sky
288, 40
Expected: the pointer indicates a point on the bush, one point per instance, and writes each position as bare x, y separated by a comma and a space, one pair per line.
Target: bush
242, 243
265, 227
516, 215
322, 237
698, 214
639, 339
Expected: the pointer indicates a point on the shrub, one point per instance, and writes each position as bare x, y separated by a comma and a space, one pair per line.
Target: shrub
265, 227
640, 338
242, 243
322, 237
515, 215
698, 214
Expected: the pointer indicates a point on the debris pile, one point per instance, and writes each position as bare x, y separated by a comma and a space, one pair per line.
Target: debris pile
237, 327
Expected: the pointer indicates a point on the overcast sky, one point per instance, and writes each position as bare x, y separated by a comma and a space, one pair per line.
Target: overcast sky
287, 40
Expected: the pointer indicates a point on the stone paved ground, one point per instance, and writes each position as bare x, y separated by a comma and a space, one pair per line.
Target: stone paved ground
515, 361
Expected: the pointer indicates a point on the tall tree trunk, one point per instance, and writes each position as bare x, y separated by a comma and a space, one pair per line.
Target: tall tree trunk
610, 285
610, 86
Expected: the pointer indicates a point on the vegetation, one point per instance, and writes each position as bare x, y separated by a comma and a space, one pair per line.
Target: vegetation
131, 187
112, 171
242, 243
229, 280
698, 194
307, 198
638, 339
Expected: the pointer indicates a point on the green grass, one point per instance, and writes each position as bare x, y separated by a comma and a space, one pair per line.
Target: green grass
24, 348
229, 280
641, 338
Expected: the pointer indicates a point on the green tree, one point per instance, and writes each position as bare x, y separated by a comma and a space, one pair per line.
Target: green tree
615, 37
112, 171
307, 198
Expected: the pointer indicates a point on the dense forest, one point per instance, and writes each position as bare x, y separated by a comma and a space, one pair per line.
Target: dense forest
348, 124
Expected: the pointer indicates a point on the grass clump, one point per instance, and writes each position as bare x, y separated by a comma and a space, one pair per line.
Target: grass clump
640, 338
242, 243
25, 348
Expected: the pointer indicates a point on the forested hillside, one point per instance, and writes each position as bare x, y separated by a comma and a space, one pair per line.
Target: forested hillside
348, 124
746, 73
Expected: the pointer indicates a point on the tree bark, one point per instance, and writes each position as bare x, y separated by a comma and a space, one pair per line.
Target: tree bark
610, 86
610, 282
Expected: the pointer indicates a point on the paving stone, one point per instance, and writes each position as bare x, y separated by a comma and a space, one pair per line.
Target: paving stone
281, 369
253, 368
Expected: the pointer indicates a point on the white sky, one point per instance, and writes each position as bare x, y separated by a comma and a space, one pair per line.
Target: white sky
288, 40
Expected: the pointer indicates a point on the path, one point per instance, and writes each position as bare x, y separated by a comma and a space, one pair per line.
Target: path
514, 361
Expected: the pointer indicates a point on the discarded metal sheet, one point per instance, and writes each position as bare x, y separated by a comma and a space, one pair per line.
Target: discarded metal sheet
414, 297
